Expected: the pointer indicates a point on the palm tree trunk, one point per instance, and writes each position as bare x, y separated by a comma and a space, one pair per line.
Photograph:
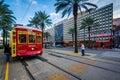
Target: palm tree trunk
42, 25
36, 26
75, 9
3, 37
84, 36
89, 35
72, 39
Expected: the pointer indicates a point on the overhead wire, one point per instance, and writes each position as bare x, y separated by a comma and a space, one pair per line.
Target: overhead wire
26, 10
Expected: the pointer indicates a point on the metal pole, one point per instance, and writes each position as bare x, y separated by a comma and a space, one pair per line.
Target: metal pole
113, 38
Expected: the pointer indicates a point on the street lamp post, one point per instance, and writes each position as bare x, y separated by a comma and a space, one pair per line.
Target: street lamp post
113, 37
113, 30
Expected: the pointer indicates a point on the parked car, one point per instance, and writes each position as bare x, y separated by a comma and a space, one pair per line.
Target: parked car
58, 45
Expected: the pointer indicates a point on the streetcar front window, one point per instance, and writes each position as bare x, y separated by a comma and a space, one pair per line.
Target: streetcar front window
22, 38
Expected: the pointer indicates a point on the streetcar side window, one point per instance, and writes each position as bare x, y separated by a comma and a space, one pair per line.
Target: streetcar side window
31, 38
39, 39
22, 38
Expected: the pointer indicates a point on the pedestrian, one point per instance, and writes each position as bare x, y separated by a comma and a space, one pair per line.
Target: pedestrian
83, 49
103, 46
7, 53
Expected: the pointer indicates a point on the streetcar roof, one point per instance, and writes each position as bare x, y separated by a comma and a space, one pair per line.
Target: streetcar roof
26, 27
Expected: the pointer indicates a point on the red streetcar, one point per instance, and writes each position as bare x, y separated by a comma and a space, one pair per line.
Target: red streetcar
25, 41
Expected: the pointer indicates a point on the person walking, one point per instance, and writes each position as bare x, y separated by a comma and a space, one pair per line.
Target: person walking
7, 53
83, 49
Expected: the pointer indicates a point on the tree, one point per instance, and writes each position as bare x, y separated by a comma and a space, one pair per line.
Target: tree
42, 20
72, 31
34, 21
68, 6
6, 19
88, 23
46, 34
8, 34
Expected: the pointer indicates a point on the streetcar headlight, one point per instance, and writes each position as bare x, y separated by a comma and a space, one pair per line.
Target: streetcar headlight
32, 48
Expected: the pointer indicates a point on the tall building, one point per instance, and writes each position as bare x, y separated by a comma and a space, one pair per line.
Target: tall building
51, 38
116, 32
49, 41
59, 28
99, 34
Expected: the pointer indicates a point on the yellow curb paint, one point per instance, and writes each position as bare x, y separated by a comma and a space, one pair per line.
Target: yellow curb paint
7, 71
78, 68
76, 53
58, 76
90, 61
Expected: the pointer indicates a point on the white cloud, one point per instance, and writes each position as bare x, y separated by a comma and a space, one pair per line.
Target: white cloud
16, 2
55, 17
53, 14
33, 1
45, 6
94, 1
116, 14
30, 16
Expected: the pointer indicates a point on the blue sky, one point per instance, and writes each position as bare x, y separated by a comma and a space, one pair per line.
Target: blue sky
24, 9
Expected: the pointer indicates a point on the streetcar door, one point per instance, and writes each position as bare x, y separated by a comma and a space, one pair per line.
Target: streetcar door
13, 43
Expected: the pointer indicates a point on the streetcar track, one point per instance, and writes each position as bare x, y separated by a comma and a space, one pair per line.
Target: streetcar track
45, 60
27, 70
85, 63
82, 57
2, 71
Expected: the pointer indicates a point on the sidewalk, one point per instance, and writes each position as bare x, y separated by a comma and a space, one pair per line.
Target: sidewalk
107, 49
2, 65
87, 55
68, 52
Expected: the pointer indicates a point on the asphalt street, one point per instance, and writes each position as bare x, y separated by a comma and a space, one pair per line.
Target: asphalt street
64, 64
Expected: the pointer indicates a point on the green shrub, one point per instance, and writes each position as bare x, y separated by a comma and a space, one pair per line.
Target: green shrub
1, 46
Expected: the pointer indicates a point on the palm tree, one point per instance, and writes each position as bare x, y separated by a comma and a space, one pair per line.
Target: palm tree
42, 19
72, 31
73, 6
46, 34
7, 35
34, 21
6, 19
88, 23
